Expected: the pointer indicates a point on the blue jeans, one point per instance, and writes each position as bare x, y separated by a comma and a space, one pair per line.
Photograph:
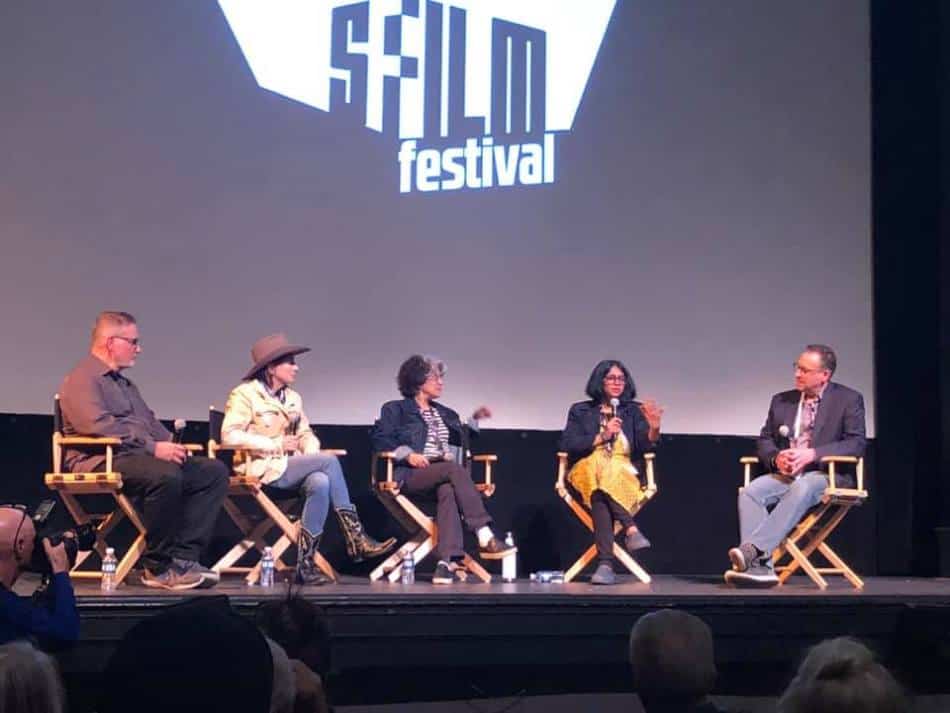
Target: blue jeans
319, 478
792, 500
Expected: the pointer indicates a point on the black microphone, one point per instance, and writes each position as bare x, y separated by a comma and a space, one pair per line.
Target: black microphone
179, 430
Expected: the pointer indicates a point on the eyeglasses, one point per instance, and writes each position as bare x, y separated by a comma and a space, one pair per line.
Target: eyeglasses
435, 376
798, 368
134, 342
616, 379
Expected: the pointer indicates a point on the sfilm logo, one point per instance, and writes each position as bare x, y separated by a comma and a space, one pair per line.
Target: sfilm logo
475, 91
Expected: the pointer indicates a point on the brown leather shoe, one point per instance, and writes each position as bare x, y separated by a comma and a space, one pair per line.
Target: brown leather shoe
495, 550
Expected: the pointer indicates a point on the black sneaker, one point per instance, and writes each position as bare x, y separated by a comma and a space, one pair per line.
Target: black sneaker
443, 573
495, 550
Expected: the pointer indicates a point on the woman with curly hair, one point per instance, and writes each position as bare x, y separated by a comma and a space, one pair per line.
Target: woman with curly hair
427, 439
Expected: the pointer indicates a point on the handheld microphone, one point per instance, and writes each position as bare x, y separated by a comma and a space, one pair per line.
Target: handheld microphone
783, 432
179, 429
294, 422
614, 403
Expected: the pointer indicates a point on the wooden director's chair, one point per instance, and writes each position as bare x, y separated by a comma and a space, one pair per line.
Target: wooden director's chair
255, 530
107, 482
413, 520
583, 514
817, 524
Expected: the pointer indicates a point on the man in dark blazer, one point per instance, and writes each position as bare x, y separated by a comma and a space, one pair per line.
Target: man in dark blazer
817, 418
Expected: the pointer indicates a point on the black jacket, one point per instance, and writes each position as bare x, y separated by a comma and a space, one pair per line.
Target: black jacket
839, 424
400, 424
583, 424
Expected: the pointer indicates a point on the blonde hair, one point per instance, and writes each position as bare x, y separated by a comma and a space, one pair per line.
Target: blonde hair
29, 680
107, 322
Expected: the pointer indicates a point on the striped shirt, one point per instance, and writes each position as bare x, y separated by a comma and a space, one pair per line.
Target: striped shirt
437, 436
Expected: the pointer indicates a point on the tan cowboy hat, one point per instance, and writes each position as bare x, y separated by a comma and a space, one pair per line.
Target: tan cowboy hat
271, 348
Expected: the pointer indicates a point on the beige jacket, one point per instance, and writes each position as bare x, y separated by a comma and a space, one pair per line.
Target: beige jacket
257, 420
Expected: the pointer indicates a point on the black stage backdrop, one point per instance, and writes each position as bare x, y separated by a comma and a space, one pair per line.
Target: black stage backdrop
693, 519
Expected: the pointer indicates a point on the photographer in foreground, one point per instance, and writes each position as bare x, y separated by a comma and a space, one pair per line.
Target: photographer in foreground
53, 620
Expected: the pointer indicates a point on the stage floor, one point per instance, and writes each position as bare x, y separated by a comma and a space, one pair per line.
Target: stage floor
423, 642
663, 588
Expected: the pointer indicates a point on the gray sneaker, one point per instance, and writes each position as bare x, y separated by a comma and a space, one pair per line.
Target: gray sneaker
172, 578
743, 556
604, 574
209, 577
758, 574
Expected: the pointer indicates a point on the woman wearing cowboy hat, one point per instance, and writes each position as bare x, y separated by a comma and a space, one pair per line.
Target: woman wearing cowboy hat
266, 416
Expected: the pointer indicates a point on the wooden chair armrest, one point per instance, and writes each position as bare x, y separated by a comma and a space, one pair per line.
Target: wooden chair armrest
193, 447
487, 460
831, 461
88, 441
747, 462
389, 484
559, 486
339, 452
648, 459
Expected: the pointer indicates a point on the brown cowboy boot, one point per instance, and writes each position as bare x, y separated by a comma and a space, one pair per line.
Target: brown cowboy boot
307, 570
359, 545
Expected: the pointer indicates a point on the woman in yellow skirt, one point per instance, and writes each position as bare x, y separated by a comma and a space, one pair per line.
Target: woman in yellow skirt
601, 437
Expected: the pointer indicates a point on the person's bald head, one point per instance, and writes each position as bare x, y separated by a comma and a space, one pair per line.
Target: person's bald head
17, 535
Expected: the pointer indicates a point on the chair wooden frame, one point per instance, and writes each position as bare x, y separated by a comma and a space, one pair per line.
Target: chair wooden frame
423, 529
108, 482
583, 514
817, 524
254, 534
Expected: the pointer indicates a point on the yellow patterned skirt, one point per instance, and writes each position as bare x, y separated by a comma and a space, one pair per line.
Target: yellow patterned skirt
611, 472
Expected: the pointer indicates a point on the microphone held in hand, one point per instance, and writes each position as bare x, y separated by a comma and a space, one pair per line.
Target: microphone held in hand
783, 440
179, 429
614, 405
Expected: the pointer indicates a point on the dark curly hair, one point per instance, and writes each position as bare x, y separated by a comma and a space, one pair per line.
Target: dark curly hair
414, 372
595, 384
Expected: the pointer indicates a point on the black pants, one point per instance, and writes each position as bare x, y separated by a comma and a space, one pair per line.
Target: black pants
182, 503
455, 493
604, 510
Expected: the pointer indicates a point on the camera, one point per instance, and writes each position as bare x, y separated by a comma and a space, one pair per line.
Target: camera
82, 537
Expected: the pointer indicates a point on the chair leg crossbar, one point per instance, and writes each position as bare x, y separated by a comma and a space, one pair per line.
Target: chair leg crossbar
255, 537
810, 535
420, 544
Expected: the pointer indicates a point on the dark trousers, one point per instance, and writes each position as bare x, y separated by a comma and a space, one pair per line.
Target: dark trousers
604, 510
455, 493
182, 503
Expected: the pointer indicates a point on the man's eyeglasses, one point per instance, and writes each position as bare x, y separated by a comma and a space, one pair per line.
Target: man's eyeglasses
134, 342
616, 379
798, 368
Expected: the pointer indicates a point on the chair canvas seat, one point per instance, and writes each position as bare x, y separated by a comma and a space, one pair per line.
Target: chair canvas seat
584, 515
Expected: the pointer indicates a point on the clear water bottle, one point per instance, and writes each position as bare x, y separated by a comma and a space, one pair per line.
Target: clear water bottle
267, 568
509, 563
109, 564
407, 572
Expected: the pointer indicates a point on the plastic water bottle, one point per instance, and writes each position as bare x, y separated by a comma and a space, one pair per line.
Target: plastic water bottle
109, 564
407, 572
267, 568
509, 563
